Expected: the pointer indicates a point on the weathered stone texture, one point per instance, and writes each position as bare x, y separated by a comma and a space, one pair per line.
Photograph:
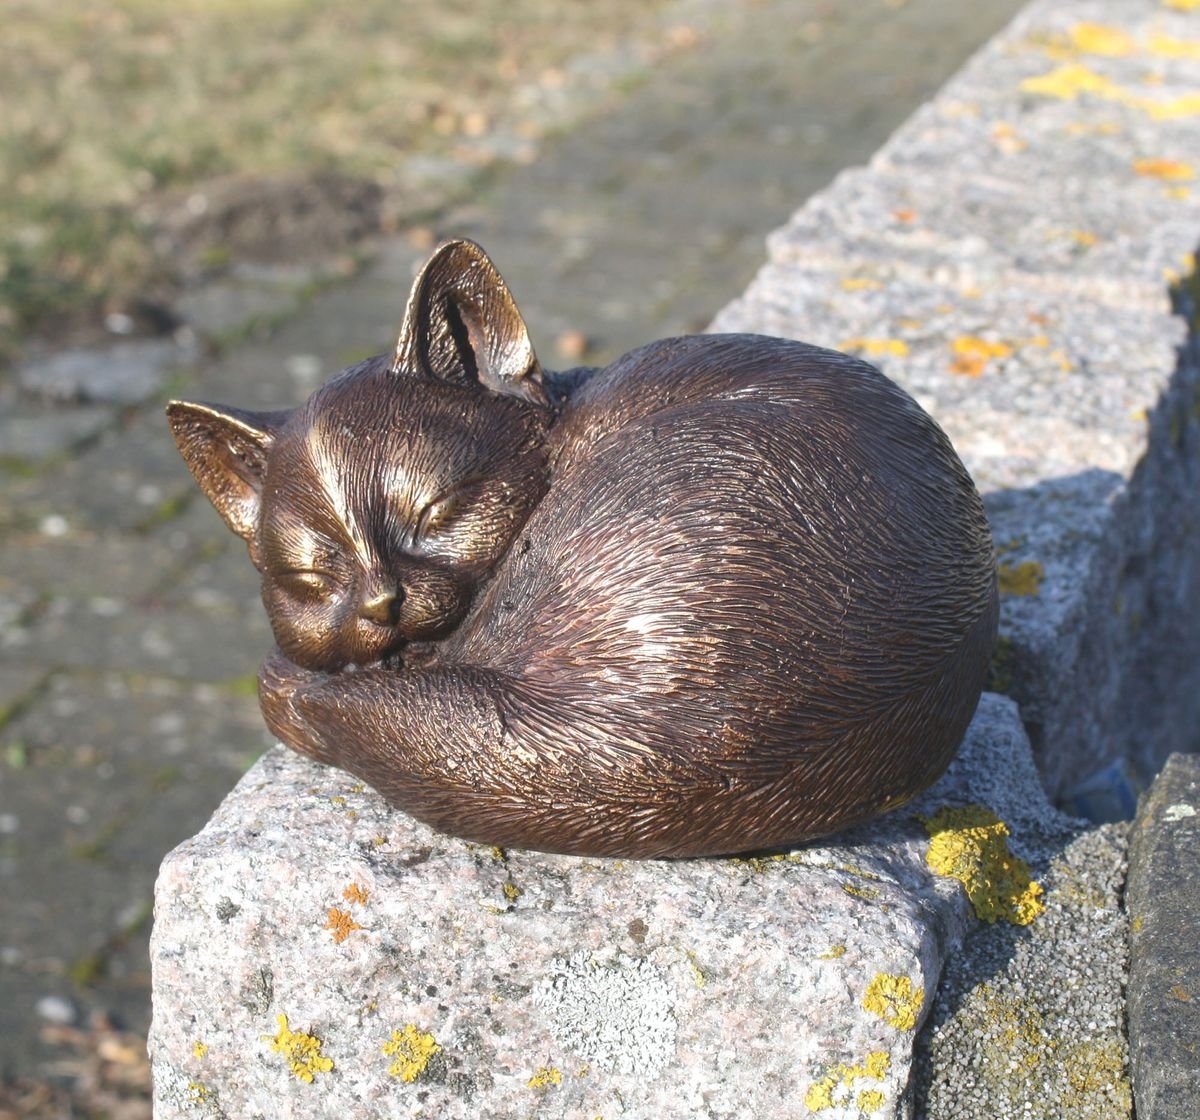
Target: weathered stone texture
1163, 897
554, 985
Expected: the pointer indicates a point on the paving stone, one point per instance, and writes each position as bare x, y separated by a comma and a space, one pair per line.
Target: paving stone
1163, 897
124, 374
227, 308
100, 776
31, 435
573, 986
189, 643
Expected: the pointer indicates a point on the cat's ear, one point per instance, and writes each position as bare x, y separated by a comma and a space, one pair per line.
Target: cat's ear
226, 450
462, 325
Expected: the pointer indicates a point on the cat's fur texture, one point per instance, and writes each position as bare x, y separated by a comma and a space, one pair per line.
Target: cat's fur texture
728, 593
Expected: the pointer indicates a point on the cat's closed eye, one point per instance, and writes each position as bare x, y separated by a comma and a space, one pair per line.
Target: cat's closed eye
442, 512
307, 585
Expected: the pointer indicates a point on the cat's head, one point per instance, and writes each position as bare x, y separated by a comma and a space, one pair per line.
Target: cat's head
374, 510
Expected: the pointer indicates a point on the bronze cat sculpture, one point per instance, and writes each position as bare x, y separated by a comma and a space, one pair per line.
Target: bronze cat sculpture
728, 593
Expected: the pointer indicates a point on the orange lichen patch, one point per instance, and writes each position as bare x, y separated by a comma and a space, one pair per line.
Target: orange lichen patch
834, 1087
1099, 38
1180, 993
1067, 82
302, 1051
968, 365
894, 1000
411, 1049
970, 844
1084, 237
340, 924
1005, 137
860, 284
356, 893
544, 1078
1092, 128
874, 347
904, 215
972, 354
1064, 363
1169, 169
1024, 578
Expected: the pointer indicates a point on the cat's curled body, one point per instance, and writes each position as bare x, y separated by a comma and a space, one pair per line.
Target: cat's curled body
726, 594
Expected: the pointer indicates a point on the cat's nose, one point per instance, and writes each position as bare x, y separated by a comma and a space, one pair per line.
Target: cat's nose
381, 605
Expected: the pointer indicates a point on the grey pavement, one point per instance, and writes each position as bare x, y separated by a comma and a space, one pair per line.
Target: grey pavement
130, 628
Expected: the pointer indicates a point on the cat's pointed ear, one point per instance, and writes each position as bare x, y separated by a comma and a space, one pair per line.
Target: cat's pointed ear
226, 450
462, 325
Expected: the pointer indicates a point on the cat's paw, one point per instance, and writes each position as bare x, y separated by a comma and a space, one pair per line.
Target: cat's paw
281, 685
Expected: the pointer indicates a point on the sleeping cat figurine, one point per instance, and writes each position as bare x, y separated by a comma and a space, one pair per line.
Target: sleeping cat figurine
728, 593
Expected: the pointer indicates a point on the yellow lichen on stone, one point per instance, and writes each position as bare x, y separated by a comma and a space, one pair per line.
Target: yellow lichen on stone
877, 1063
835, 1086
698, 977
970, 844
411, 1048
1024, 578
512, 892
198, 1093
860, 284
199, 1049
1166, 46
832, 953
1099, 38
544, 1078
1095, 1069
894, 1000
875, 347
1067, 82
870, 1100
1183, 5
302, 1051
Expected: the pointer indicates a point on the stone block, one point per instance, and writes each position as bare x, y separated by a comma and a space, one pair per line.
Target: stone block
1163, 896
421, 975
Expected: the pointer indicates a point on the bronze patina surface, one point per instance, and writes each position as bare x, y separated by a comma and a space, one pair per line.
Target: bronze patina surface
728, 593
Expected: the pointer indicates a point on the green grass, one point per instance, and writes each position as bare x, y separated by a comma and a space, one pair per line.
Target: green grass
109, 107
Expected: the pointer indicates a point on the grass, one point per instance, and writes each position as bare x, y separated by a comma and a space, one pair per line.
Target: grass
111, 107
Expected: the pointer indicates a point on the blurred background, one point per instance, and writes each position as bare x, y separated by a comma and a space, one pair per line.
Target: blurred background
226, 201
